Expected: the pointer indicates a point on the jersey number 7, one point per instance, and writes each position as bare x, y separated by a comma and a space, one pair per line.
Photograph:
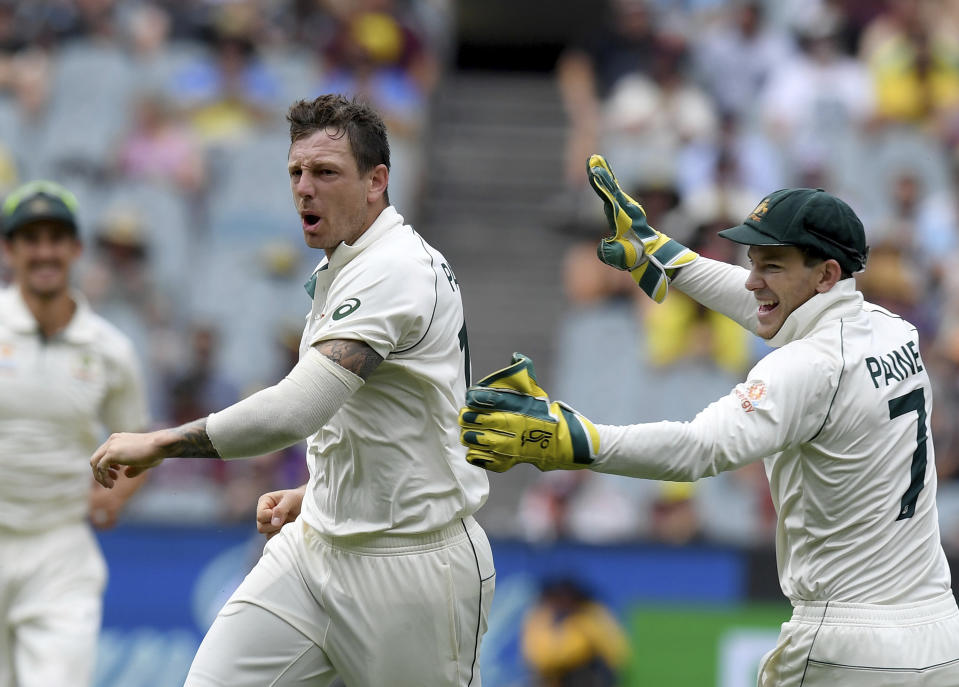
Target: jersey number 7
465, 347
914, 400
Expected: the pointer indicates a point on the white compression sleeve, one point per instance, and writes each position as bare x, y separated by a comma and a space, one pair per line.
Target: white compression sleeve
720, 287
285, 413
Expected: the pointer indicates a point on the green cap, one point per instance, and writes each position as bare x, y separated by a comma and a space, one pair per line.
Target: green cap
38, 201
805, 218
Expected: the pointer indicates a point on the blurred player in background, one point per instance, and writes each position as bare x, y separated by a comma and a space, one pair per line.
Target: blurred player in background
65, 375
377, 572
570, 639
839, 412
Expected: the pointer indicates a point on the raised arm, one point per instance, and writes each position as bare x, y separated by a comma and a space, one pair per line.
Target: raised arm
509, 419
271, 419
721, 287
655, 261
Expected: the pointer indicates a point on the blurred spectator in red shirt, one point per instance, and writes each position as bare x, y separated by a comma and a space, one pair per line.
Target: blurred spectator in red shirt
159, 147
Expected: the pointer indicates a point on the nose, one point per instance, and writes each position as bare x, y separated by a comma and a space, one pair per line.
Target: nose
44, 247
754, 282
302, 188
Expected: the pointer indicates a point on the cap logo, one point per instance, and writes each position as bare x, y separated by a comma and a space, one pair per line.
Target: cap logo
760, 211
32, 188
39, 206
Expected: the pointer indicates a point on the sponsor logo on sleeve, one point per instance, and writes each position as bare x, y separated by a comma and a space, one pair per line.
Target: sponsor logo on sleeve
750, 394
348, 306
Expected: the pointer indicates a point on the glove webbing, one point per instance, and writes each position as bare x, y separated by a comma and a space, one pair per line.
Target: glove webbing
654, 275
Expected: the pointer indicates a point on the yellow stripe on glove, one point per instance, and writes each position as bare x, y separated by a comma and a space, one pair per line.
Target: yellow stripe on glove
509, 419
650, 256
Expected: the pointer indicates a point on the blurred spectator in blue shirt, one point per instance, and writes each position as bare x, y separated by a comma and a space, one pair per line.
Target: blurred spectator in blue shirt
228, 94
370, 57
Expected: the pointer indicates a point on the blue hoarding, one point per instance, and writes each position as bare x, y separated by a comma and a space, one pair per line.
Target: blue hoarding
166, 584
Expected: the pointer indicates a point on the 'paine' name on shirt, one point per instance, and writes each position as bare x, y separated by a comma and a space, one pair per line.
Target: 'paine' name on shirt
895, 365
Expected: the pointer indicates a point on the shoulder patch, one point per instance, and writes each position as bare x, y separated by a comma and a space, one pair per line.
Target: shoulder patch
751, 394
756, 390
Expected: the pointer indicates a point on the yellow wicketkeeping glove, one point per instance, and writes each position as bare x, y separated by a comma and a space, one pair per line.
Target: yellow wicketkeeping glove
509, 419
651, 257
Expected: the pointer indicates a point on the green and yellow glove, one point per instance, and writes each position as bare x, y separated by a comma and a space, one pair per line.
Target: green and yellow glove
509, 419
651, 257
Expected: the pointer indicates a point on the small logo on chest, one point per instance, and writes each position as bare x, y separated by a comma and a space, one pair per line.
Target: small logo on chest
8, 362
85, 367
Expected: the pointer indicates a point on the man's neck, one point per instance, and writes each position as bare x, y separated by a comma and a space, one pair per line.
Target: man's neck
52, 313
371, 216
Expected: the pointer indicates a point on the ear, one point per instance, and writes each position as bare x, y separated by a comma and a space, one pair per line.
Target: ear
378, 180
829, 273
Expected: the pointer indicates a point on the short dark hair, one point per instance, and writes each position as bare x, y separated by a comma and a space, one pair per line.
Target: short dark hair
363, 126
813, 256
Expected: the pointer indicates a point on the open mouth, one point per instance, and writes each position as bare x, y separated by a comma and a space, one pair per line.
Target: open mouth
767, 306
311, 220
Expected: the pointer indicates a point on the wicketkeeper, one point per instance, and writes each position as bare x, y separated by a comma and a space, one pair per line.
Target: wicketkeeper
838, 412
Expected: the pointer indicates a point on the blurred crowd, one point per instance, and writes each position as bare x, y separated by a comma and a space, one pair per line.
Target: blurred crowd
702, 108
167, 119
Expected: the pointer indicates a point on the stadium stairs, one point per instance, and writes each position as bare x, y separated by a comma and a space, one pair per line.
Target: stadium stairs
494, 169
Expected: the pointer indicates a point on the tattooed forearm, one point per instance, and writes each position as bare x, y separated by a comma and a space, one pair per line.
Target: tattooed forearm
354, 356
192, 441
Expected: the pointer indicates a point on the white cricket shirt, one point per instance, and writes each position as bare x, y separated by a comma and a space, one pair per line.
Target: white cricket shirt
59, 397
390, 459
840, 413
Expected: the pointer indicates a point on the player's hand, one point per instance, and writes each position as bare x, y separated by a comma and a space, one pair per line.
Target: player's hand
138, 452
509, 419
276, 508
650, 256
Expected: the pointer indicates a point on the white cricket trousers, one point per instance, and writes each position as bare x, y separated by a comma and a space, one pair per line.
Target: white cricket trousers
51, 595
830, 644
397, 610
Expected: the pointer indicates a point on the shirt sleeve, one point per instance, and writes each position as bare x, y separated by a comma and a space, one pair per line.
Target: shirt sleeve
125, 407
783, 402
384, 303
720, 287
